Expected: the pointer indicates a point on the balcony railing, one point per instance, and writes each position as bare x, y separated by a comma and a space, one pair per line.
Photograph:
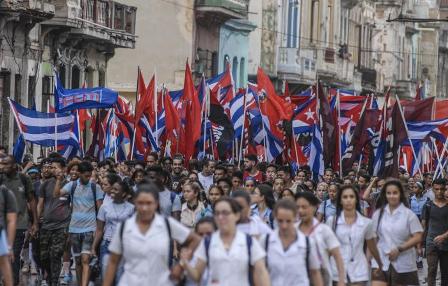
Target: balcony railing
110, 14
349, 4
288, 61
38, 9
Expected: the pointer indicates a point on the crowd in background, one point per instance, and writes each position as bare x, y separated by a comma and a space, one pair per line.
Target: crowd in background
170, 222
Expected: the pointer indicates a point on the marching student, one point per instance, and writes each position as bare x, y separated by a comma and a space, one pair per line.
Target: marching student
326, 242
353, 231
145, 242
232, 257
290, 257
399, 232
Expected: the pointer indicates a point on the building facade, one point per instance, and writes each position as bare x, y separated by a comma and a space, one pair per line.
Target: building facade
76, 38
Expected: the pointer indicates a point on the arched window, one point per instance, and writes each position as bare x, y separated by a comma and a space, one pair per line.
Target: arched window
235, 70
242, 72
76, 77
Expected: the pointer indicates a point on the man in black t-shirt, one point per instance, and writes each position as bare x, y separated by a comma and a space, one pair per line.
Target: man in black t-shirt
8, 218
435, 222
56, 214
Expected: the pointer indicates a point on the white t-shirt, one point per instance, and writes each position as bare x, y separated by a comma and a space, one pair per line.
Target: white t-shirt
325, 240
288, 267
146, 255
169, 202
256, 227
112, 214
394, 230
229, 267
206, 182
352, 238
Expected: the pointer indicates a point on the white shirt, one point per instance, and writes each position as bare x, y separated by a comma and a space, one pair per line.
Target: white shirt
394, 230
206, 182
146, 255
288, 267
352, 238
256, 227
229, 267
325, 240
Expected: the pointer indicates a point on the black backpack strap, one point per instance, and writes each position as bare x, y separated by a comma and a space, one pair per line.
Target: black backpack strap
93, 187
249, 255
325, 211
121, 235
307, 257
171, 245
5, 203
266, 248
207, 241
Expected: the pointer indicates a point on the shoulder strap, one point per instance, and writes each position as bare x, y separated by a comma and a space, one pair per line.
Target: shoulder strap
325, 211
271, 219
171, 245
249, 255
121, 233
307, 257
72, 193
172, 197
266, 247
5, 203
93, 187
207, 241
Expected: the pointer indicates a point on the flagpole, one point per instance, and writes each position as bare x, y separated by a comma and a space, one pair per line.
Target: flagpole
437, 154
135, 109
156, 108
338, 98
441, 156
240, 153
204, 116
407, 131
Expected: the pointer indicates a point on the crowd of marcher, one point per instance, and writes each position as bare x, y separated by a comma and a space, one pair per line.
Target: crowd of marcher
170, 222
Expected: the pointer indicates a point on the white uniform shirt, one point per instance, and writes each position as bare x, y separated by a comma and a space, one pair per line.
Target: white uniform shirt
146, 255
352, 239
325, 240
256, 227
288, 267
229, 267
394, 230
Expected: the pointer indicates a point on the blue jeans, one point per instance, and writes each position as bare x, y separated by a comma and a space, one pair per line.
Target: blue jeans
104, 258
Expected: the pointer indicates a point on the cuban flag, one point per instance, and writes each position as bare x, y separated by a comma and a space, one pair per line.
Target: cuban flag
19, 149
305, 117
237, 106
316, 154
44, 129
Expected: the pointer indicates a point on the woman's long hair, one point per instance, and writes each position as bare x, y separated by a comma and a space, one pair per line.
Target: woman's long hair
339, 207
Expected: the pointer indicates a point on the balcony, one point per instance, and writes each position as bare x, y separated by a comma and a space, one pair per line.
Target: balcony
406, 88
101, 20
349, 4
289, 61
28, 10
221, 10
368, 78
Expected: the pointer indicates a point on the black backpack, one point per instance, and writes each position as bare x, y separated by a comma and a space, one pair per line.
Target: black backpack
72, 193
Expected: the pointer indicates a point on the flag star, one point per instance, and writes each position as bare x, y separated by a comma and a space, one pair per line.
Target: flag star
309, 114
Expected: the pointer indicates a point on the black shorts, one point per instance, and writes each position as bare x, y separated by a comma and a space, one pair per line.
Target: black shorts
392, 277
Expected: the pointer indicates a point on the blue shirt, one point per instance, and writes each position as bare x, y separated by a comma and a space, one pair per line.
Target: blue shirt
416, 205
83, 215
327, 208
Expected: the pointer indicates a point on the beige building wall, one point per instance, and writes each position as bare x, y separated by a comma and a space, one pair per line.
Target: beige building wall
165, 32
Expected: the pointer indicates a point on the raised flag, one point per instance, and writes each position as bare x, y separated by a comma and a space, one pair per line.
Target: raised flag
83, 98
19, 149
44, 129
328, 125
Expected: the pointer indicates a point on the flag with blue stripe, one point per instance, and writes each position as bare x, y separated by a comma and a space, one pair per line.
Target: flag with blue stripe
44, 129
19, 149
316, 154
237, 114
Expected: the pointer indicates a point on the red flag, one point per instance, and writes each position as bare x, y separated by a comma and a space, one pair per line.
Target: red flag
83, 116
143, 101
192, 128
171, 117
442, 109
418, 110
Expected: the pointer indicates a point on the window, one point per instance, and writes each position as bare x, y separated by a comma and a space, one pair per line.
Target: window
76, 77
47, 92
101, 78
4, 108
293, 20
62, 75
31, 91
235, 70
242, 72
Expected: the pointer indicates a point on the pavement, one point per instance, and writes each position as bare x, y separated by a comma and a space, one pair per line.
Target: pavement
32, 280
